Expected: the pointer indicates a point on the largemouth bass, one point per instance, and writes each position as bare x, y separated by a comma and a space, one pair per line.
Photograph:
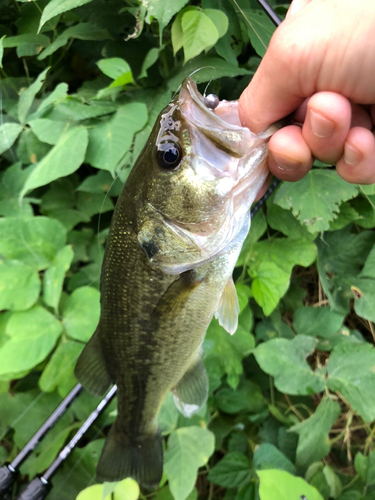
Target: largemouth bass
175, 237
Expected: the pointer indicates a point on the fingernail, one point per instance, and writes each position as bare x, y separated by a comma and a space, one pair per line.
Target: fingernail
320, 126
351, 156
285, 163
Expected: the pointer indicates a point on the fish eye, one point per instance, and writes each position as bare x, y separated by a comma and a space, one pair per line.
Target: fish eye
170, 156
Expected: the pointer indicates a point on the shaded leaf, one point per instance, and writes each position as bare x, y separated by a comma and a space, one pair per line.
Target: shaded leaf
81, 313
313, 443
54, 276
56, 7
315, 200
286, 361
232, 471
163, 11
27, 96
259, 28
267, 456
8, 134
188, 449
32, 335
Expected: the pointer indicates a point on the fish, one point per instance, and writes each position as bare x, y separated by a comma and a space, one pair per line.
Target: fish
175, 236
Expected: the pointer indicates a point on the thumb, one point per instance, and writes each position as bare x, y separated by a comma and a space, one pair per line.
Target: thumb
275, 90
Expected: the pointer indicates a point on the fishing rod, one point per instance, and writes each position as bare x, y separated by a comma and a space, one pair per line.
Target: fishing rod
9, 472
39, 487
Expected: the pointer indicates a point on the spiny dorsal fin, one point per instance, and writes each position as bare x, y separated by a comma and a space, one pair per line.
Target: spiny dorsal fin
228, 310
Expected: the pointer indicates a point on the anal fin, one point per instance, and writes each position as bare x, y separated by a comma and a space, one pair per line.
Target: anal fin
228, 309
190, 394
90, 369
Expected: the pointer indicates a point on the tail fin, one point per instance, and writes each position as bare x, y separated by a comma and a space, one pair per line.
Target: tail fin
126, 456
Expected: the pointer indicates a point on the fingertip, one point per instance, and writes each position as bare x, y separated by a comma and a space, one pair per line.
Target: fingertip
357, 165
289, 156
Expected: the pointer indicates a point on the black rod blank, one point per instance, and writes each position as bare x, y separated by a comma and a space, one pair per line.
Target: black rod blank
40, 486
8, 472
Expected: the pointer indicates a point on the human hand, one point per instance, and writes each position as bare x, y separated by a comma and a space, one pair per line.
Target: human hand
320, 62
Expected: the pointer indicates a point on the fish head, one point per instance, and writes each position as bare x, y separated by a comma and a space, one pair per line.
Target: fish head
200, 172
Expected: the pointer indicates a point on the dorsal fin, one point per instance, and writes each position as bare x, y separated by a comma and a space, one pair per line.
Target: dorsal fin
228, 310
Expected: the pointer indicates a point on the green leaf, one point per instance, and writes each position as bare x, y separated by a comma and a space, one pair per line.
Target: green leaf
228, 351
364, 293
313, 442
286, 361
163, 11
199, 33
365, 466
81, 313
283, 486
351, 372
315, 199
8, 134
247, 397
117, 69
219, 19
19, 285
259, 28
93, 492
232, 471
33, 334
1, 50
150, 59
168, 415
269, 285
267, 456
47, 130
63, 159
27, 96
58, 94
127, 489
35, 241
54, 277
100, 183
333, 482
284, 221
56, 7
109, 141
188, 449
317, 321
59, 372
82, 31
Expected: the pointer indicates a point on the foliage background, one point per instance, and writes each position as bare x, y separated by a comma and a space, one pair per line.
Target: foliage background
291, 407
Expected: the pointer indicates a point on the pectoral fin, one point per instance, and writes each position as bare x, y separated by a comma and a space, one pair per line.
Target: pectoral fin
227, 313
90, 369
191, 392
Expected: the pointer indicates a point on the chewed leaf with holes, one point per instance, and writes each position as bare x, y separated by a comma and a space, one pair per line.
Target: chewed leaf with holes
316, 198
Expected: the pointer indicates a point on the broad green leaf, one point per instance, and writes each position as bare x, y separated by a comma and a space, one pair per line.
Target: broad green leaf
93, 492
351, 372
117, 69
1, 51
219, 19
32, 335
168, 415
247, 397
76, 110
82, 31
270, 282
19, 285
81, 313
54, 277
47, 130
228, 351
108, 142
286, 361
284, 221
283, 486
232, 471
150, 59
315, 199
267, 456
364, 293
199, 33
56, 7
30, 149
127, 489
333, 481
365, 466
313, 443
100, 183
59, 93
59, 372
19, 41
27, 96
90, 204
317, 321
63, 159
259, 28
341, 255
163, 11
8, 134
35, 241
188, 449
